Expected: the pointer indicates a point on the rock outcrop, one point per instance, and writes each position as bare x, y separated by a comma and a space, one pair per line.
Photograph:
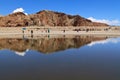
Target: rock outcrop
45, 18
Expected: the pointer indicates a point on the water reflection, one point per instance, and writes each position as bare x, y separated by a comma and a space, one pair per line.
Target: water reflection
73, 59
49, 45
111, 40
21, 53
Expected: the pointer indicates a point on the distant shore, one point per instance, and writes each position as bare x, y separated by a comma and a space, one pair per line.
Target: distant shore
60, 30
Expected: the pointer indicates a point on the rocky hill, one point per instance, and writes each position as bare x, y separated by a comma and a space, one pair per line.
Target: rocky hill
45, 18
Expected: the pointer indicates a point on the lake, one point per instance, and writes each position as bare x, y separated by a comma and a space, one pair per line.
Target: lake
84, 57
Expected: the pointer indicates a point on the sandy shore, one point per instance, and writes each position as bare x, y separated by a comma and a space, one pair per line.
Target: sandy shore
52, 31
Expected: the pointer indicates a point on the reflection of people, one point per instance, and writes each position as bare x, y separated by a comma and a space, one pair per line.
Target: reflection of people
48, 36
23, 36
31, 33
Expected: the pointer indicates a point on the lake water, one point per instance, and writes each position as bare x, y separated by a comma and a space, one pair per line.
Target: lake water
60, 58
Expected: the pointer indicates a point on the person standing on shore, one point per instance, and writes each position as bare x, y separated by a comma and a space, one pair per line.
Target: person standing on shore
64, 31
48, 30
23, 32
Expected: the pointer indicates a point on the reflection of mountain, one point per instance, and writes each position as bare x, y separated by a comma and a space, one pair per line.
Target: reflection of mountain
46, 45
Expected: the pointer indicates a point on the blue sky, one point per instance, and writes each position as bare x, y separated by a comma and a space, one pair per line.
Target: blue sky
93, 9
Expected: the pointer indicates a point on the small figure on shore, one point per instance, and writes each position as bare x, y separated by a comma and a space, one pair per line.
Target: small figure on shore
64, 31
31, 31
87, 30
48, 30
23, 31
77, 30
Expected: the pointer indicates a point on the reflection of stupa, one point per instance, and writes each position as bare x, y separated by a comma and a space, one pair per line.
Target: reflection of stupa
46, 45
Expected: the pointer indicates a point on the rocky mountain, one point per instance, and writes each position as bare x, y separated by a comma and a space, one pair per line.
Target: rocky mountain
45, 18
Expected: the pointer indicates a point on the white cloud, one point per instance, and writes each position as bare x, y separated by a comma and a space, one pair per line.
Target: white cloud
117, 40
26, 13
19, 10
109, 22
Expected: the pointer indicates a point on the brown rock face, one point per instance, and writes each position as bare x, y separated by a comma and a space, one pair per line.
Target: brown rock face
45, 18
13, 20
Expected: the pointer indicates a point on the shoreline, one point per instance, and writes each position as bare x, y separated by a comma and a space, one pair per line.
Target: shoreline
60, 31
53, 36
